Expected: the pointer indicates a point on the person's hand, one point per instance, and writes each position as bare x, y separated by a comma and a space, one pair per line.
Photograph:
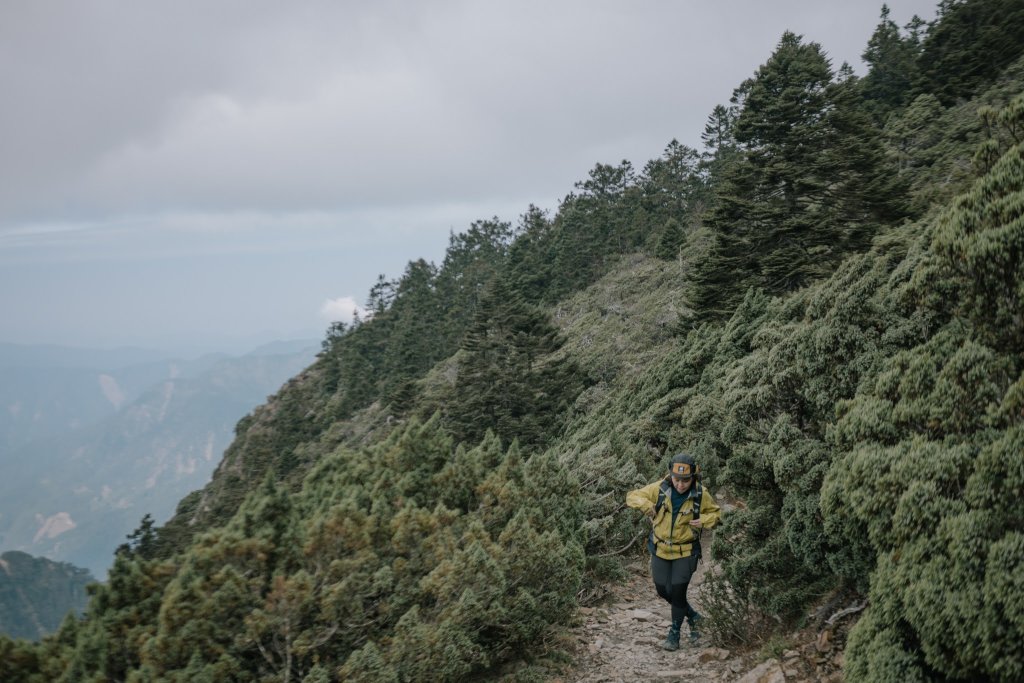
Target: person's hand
650, 513
696, 523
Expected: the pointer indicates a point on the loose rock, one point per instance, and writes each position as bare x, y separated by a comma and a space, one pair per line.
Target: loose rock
713, 654
640, 615
765, 672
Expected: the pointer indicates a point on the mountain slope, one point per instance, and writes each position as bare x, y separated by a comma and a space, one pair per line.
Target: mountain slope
75, 496
36, 594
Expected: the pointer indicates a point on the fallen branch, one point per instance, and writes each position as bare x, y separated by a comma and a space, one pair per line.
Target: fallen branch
622, 550
853, 609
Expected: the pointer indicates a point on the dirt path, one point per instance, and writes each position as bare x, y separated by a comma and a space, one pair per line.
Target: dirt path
621, 640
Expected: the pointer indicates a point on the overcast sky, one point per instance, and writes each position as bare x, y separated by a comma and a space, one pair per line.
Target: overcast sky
222, 173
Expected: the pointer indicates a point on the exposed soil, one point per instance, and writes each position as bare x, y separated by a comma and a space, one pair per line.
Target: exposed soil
621, 641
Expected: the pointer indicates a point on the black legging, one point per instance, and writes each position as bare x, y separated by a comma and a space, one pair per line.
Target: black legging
671, 577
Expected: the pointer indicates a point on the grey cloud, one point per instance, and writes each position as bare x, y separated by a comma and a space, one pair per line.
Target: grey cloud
128, 107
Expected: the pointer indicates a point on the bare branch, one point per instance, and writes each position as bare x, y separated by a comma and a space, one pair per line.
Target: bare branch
628, 545
852, 609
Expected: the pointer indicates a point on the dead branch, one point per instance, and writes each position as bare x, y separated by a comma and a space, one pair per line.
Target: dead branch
852, 609
628, 545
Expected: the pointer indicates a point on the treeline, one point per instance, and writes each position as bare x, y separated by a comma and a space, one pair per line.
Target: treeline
829, 318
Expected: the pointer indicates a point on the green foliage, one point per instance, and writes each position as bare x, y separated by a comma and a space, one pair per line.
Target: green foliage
720, 150
368, 568
969, 48
850, 417
509, 380
671, 241
980, 236
921, 446
729, 619
674, 191
121, 616
19, 661
473, 259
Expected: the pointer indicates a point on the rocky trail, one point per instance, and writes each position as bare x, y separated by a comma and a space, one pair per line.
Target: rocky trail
620, 641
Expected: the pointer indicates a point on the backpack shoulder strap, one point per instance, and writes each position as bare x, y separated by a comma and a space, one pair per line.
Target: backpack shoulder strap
662, 492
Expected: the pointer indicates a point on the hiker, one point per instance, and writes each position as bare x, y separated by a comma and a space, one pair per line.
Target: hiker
679, 508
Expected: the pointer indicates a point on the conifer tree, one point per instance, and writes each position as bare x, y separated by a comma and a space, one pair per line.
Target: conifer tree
472, 260
531, 263
720, 150
416, 321
671, 241
672, 186
595, 225
811, 185
892, 67
913, 133
381, 295
718, 131
507, 381
969, 47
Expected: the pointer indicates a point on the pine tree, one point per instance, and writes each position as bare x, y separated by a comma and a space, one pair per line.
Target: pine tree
672, 186
969, 47
671, 241
596, 224
507, 381
720, 150
382, 295
811, 185
472, 260
892, 67
718, 131
531, 263
416, 320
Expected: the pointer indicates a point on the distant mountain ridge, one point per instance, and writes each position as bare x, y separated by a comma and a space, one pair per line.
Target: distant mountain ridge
49, 390
56, 356
96, 448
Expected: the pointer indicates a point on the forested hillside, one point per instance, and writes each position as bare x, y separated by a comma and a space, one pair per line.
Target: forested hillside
36, 594
825, 305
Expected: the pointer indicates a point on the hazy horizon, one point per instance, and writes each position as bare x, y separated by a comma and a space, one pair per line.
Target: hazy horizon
63, 355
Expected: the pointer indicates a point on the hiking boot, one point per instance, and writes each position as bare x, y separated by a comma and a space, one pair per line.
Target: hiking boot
694, 620
672, 639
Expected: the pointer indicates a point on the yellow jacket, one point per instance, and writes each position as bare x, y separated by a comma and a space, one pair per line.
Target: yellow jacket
673, 541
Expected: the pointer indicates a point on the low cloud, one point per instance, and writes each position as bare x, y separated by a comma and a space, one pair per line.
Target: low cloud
343, 309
